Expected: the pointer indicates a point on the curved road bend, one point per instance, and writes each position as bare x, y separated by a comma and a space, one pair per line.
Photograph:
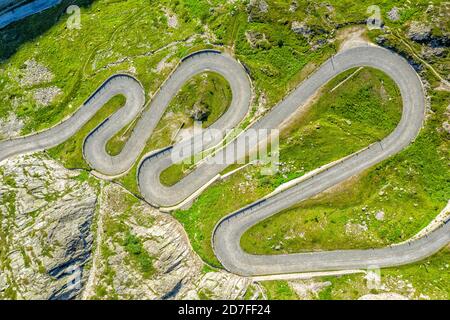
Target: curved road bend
229, 230
95, 145
115, 85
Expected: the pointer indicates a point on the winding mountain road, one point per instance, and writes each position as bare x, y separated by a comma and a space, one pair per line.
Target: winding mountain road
227, 233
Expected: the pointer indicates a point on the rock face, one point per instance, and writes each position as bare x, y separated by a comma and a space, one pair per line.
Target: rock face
176, 271
45, 240
34, 73
293, 6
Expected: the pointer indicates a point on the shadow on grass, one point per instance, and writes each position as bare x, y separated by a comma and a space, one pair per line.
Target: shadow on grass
20, 32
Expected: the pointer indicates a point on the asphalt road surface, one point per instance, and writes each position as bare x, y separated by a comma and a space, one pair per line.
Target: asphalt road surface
228, 231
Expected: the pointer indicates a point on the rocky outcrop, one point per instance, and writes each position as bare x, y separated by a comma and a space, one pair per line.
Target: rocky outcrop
45, 241
172, 19
45, 96
200, 112
34, 73
429, 52
437, 42
308, 289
